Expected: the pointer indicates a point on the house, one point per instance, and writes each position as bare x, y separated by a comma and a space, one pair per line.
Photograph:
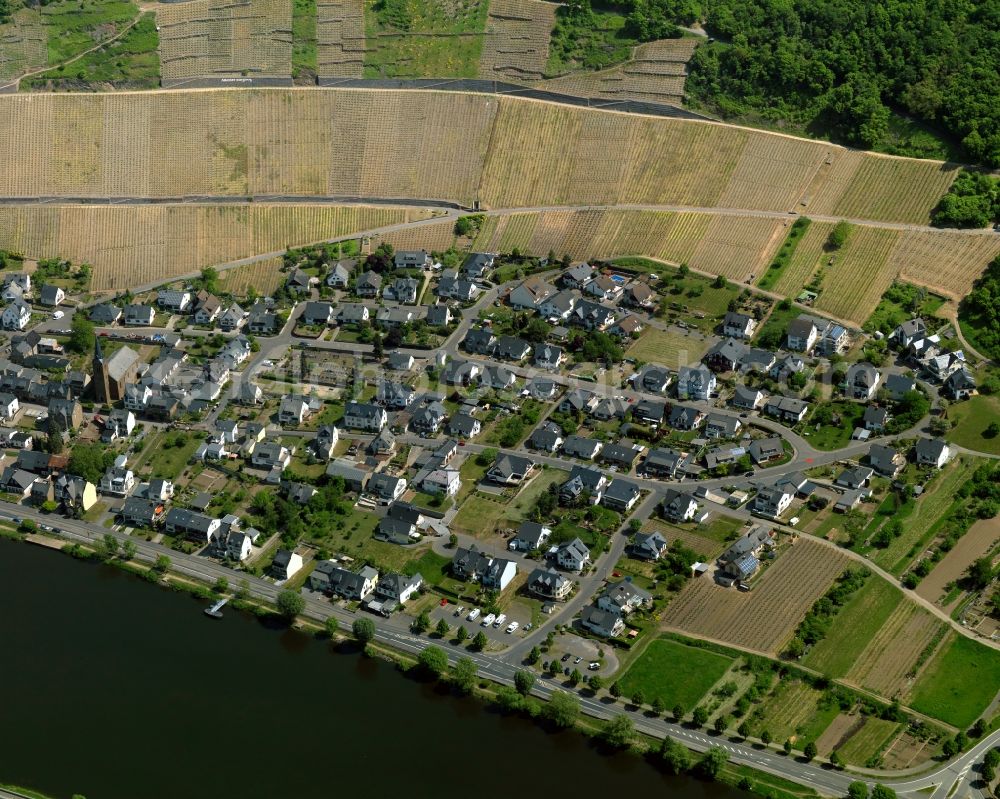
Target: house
802, 334
191, 524
622, 455
469, 564
464, 426
64, 415
317, 313
118, 479
578, 400
285, 564
850, 499
530, 537
639, 295
757, 361
261, 321
530, 294
398, 587
51, 295
834, 340
740, 560
12, 292
365, 416
547, 356
583, 481
772, 501
138, 512
904, 334
299, 493
139, 315
572, 555
726, 355
510, 469
74, 493
20, 279
885, 460
664, 463
118, 424
442, 481
763, 450
498, 575
16, 316
412, 259
461, 373
960, 384
16, 481
606, 623
439, 316
746, 398
453, 286
268, 455
719, 425
393, 394
624, 597
396, 316
299, 281
685, 417
333, 579
649, 411
898, 386
609, 408
653, 379
354, 477
695, 382
592, 315
396, 531
239, 546
787, 409
581, 447
386, 487
479, 341
679, 506
208, 310
105, 313
547, 437
479, 265
854, 477
576, 277
174, 301
862, 381
621, 495
785, 367
511, 348
8, 406
159, 489
323, 444
368, 284
427, 420
605, 288
648, 546
738, 325
293, 410
398, 361
340, 274
547, 583
559, 307
875, 419
249, 393
402, 290
932, 452
352, 313
499, 378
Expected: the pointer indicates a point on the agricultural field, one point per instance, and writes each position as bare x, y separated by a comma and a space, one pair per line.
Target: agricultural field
482, 515
340, 38
946, 261
865, 738
898, 648
203, 38
854, 627
516, 44
263, 276
707, 540
675, 673
853, 285
804, 261
666, 348
980, 539
655, 73
737, 248
423, 38
970, 418
959, 683
763, 619
134, 245
794, 711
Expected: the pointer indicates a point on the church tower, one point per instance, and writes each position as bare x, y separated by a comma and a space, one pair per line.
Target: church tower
101, 380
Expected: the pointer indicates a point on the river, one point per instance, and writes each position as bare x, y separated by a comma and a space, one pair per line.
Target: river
115, 689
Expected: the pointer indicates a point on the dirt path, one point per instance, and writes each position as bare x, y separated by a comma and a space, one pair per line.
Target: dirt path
950, 311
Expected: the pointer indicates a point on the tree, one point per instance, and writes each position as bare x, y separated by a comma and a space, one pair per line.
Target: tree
524, 681
615, 690
675, 756
810, 751
464, 674
290, 603
765, 737
129, 549
638, 698
562, 709
89, 462
363, 630
221, 585
980, 573
81, 335
442, 628
712, 761
721, 723
881, 791
838, 236
678, 713
618, 732
596, 682
461, 634
744, 729
109, 546
54, 442
433, 661
533, 656
479, 642
857, 790
699, 716
575, 677
787, 746
377, 349
332, 626
659, 706
161, 564
422, 623
835, 759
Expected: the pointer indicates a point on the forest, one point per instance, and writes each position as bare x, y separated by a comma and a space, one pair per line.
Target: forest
853, 70
980, 311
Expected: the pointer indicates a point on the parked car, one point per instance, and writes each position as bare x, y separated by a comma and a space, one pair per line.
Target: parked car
577, 660
500, 620
460, 610
566, 657
473, 615
512, 626
594, 666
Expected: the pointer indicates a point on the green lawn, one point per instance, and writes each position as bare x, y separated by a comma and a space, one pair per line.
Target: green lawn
169, 462
770, 277
854, 627
304, 59
479, 515
72, 27
674, 672
833, 436
771, 334
431, 566
971, 418
526, 499
868, 741
667, 348
959, 683
897, 305
596, 41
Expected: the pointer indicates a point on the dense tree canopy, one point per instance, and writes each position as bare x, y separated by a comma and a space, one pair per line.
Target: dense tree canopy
972, 201
841, 66
981, 310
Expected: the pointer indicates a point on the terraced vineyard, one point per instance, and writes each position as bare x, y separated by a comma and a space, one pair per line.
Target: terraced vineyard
23, 44
948, 262
225, 37
764, 619
858, 278
516, 44
737, 247
340, 38
263, 276
804, 261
